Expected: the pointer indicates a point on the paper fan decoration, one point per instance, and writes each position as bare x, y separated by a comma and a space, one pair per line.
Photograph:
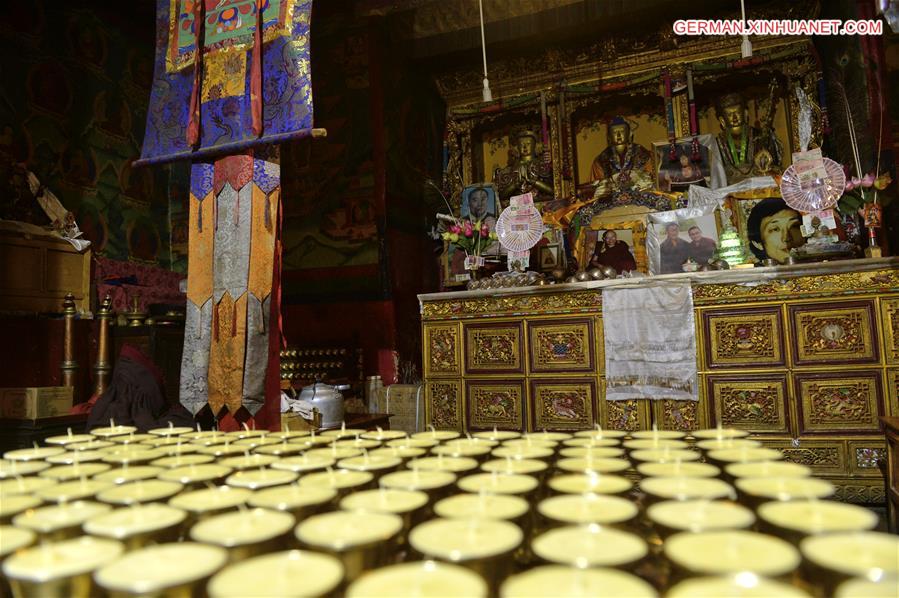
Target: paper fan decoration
519, 229
811, 195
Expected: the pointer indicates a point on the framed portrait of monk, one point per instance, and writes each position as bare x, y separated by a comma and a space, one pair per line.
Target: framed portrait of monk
619, 244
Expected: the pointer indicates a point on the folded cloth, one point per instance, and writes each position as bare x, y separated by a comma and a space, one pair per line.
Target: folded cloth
650, 342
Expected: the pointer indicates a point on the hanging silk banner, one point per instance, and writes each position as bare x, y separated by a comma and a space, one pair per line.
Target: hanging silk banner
234, 207
249, 85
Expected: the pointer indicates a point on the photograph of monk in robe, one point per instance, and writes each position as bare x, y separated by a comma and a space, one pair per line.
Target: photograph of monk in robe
613, 252
702, 248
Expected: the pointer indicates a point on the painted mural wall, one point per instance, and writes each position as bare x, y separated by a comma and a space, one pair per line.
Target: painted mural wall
73, 107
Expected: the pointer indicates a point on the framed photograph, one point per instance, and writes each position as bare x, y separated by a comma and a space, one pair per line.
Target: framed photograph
676, 176
768, 227
550, 257
685, 236
452, 266
479, 203
629, 235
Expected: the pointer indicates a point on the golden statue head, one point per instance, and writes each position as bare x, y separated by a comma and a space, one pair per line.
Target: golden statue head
618, 131
524, 142
731, 110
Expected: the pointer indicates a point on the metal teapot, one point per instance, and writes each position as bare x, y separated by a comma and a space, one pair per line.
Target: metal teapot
328, 400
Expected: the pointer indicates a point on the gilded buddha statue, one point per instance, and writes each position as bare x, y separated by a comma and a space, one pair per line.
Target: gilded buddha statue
623, 165
747, 151
526, 171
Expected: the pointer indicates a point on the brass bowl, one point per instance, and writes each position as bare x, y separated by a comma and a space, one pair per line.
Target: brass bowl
294, 499
796, 520
556, 580
361, 541
672, 517
172, 570
583, 546
60, 569
831, 559
139, 526
284, 573
55, 523
245, 533
730, 552
410, 505
452, 580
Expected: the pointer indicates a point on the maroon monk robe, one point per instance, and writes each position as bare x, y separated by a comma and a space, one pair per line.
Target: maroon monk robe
618, 256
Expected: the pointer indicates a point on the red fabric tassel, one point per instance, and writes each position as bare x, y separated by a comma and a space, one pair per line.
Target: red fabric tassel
193, 123
256, 72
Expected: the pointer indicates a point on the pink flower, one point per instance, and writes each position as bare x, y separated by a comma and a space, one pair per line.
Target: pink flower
485, 232
868, 180
852, 183
468, 230
455, 229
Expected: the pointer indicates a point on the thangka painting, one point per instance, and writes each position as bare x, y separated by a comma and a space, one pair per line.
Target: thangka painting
249, 85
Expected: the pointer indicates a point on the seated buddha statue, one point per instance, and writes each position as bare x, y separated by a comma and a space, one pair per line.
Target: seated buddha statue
526, 171
623, 165
746, 151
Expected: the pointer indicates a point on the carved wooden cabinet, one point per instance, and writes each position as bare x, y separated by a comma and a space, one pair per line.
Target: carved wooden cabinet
805, 357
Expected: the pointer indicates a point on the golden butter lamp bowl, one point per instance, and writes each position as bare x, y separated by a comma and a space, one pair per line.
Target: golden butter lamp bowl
457, 465
664, 455
518, 451
13, 469
209, 502
422, 443
756, 491
762, 469
590, 464
80, 489
378, 465
64, 473
594, 442
485, 506
885, 587
358, 443
112, 431
638, 444
658, 435
131, 438
690, 469
724, 457
410, 505
718, 433
334, 452
239, 463
172, 570
730, 552
590, 483
291, 573
428, 579
311, 441
24, 485
171, 430
344, 432
718, 444
196, 476
545, 435
384, 435
12, 505
438, 435
33, 454
256, 479
66, 439
456, 448
499, 483
246, 433
831, 559
289, 434
672, 517
174, 461
596, 452
59, 522
138, 526
796, 520
60, 568
587, 546
279, 449
140, 491
294, 499
12, 540
361, 541
245, 533
72, 457
684, 488
123, 475
220, 451
436, 484
583, 509
485, 546
406, 453
254, 442
599, 433
132, 455
497, 435
304, 463
509, 465
746, 585
569, 582
342, 481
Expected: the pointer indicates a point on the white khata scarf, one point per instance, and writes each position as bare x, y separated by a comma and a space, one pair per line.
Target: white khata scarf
650, 342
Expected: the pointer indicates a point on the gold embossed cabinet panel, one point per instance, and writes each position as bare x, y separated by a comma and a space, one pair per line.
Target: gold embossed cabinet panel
834, 333
743, 338
442, 350
494, 347
839, 402
753, 402
890, 315
444, 402
562, 403
561, 346
496, 404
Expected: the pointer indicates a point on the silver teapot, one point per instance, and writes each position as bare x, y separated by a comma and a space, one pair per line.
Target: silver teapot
328, 400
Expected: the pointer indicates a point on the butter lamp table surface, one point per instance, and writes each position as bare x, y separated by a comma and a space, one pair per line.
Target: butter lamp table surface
23, 433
